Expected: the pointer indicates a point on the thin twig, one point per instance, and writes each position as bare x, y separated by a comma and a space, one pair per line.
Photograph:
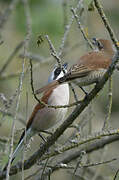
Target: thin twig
88, 149
106, 122
71, 118
62, 46
82, 141
7, 12
32, 175
116, 174
64, 8
6, 113
41, 102
79, 162
10, 76
10, 58
67, 122
36, 57
82, 29
3, 139
44, 168
13, 124
33, 91
65, 166
53, 52
106, 23
67, 29
27, 41
103, 154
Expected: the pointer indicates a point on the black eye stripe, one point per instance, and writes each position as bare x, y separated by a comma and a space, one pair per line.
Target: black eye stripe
100, 45
57, 72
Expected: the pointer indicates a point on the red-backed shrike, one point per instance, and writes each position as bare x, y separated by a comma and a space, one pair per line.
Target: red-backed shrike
42, 117
90, 67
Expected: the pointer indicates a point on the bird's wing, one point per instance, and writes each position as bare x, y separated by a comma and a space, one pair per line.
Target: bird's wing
88, 63
95, 60
49, 86
79, 71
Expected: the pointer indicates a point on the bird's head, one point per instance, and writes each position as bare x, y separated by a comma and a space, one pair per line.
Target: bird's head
57, 72
104, 45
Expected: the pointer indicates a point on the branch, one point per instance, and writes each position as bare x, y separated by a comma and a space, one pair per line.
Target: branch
107, 118
36, 57
6, 113
59, 131
94, 146
67, 29
17, 48
7, 12
87, 139
13, 124
106, 23
82, 29
77, 111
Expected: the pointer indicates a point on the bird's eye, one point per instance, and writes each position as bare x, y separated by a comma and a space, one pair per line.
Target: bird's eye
57, 72
100, 46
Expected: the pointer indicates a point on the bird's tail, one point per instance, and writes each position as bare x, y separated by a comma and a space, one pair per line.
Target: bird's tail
24, 137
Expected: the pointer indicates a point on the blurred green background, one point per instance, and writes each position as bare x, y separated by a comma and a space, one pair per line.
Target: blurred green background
50, 17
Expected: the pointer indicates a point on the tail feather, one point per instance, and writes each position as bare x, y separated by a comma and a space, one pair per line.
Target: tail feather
51, 85
29, 133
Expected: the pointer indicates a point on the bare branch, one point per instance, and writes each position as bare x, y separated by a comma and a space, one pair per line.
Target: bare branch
116, 174
53, 51
82, 29
88, 149
68, 27
6, 113
13, 124
106, 122
36, 57
17, 48
7, 12
106, 23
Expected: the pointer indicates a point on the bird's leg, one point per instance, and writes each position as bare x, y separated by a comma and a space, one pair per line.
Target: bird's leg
83, 90
42, 137
47, 151
47, 132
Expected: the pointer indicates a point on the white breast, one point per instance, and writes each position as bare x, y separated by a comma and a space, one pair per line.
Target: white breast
49, 117
60, 96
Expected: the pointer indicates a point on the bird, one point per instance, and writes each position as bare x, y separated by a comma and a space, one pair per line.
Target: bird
43, 117
89, 69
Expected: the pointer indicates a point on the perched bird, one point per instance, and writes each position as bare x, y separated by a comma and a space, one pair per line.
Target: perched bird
90, 67
42, 117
